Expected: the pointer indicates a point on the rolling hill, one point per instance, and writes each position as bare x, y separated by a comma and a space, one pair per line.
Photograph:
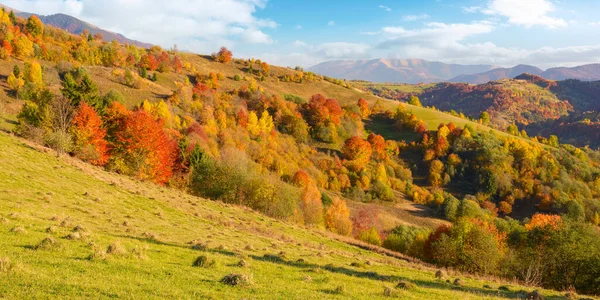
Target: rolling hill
396, 70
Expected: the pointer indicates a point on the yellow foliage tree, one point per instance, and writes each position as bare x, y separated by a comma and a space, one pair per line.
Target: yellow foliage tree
312, 206
337, 218
33, 73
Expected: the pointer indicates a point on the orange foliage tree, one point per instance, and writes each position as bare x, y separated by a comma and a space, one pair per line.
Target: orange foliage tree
544, 221
89, 136
144, 149
364, 108
357, 151
223, 56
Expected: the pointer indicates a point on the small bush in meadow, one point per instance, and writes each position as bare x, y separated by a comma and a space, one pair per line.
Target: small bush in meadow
204, 262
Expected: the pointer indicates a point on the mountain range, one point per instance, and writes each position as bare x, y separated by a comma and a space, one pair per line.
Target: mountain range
423, 71
76, 26
396, 70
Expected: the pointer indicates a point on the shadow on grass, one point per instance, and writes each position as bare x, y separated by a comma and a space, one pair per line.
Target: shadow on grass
433, 284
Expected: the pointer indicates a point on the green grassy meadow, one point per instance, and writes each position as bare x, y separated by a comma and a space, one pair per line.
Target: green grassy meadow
114, 237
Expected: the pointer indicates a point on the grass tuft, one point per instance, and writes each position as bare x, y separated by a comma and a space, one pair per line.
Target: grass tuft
203, 262
236, 280
18, 230
406, 285
116, 249
48, 243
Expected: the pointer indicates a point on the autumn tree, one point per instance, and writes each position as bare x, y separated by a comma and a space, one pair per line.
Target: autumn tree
35, 26
265, 68
357, 151
365, 112
32, 73
22, 47
6, 50
223, 56
414, 100
337, 217
88, 135
143, 149
312, 206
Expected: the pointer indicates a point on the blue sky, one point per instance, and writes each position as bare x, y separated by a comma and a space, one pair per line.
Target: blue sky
544, 33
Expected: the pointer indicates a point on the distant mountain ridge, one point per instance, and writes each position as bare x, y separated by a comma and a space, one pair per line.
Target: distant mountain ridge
422, 71
589, 72
396, 70
76, 26
497, 74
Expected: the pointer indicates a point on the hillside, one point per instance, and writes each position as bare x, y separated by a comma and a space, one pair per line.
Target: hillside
396, 70
307, 150
159, 229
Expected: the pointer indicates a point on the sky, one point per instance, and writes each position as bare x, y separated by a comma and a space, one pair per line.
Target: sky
544, 33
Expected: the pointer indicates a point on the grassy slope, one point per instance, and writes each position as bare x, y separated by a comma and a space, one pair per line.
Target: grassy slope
37, 191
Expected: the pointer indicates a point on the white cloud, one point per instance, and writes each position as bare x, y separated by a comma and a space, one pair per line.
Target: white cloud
198, 25
471, 9
385, 8
341, 50
435, 34
299, 43
331, 23
525, 12
410, 18
298, 27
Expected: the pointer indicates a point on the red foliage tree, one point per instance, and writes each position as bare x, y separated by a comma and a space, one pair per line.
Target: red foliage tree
321, 109
145, 147
378, 144
149, 62
89, 135
223, 56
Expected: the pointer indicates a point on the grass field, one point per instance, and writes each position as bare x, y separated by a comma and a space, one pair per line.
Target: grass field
108, 236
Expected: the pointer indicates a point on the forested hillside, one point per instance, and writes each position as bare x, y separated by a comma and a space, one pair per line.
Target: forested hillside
306, 149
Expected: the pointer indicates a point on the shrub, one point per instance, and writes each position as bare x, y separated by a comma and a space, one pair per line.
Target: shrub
370, 236
237, 77
204, 262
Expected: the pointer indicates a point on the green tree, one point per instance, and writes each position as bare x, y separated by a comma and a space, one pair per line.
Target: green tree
484, 118
414, 100
78, 86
